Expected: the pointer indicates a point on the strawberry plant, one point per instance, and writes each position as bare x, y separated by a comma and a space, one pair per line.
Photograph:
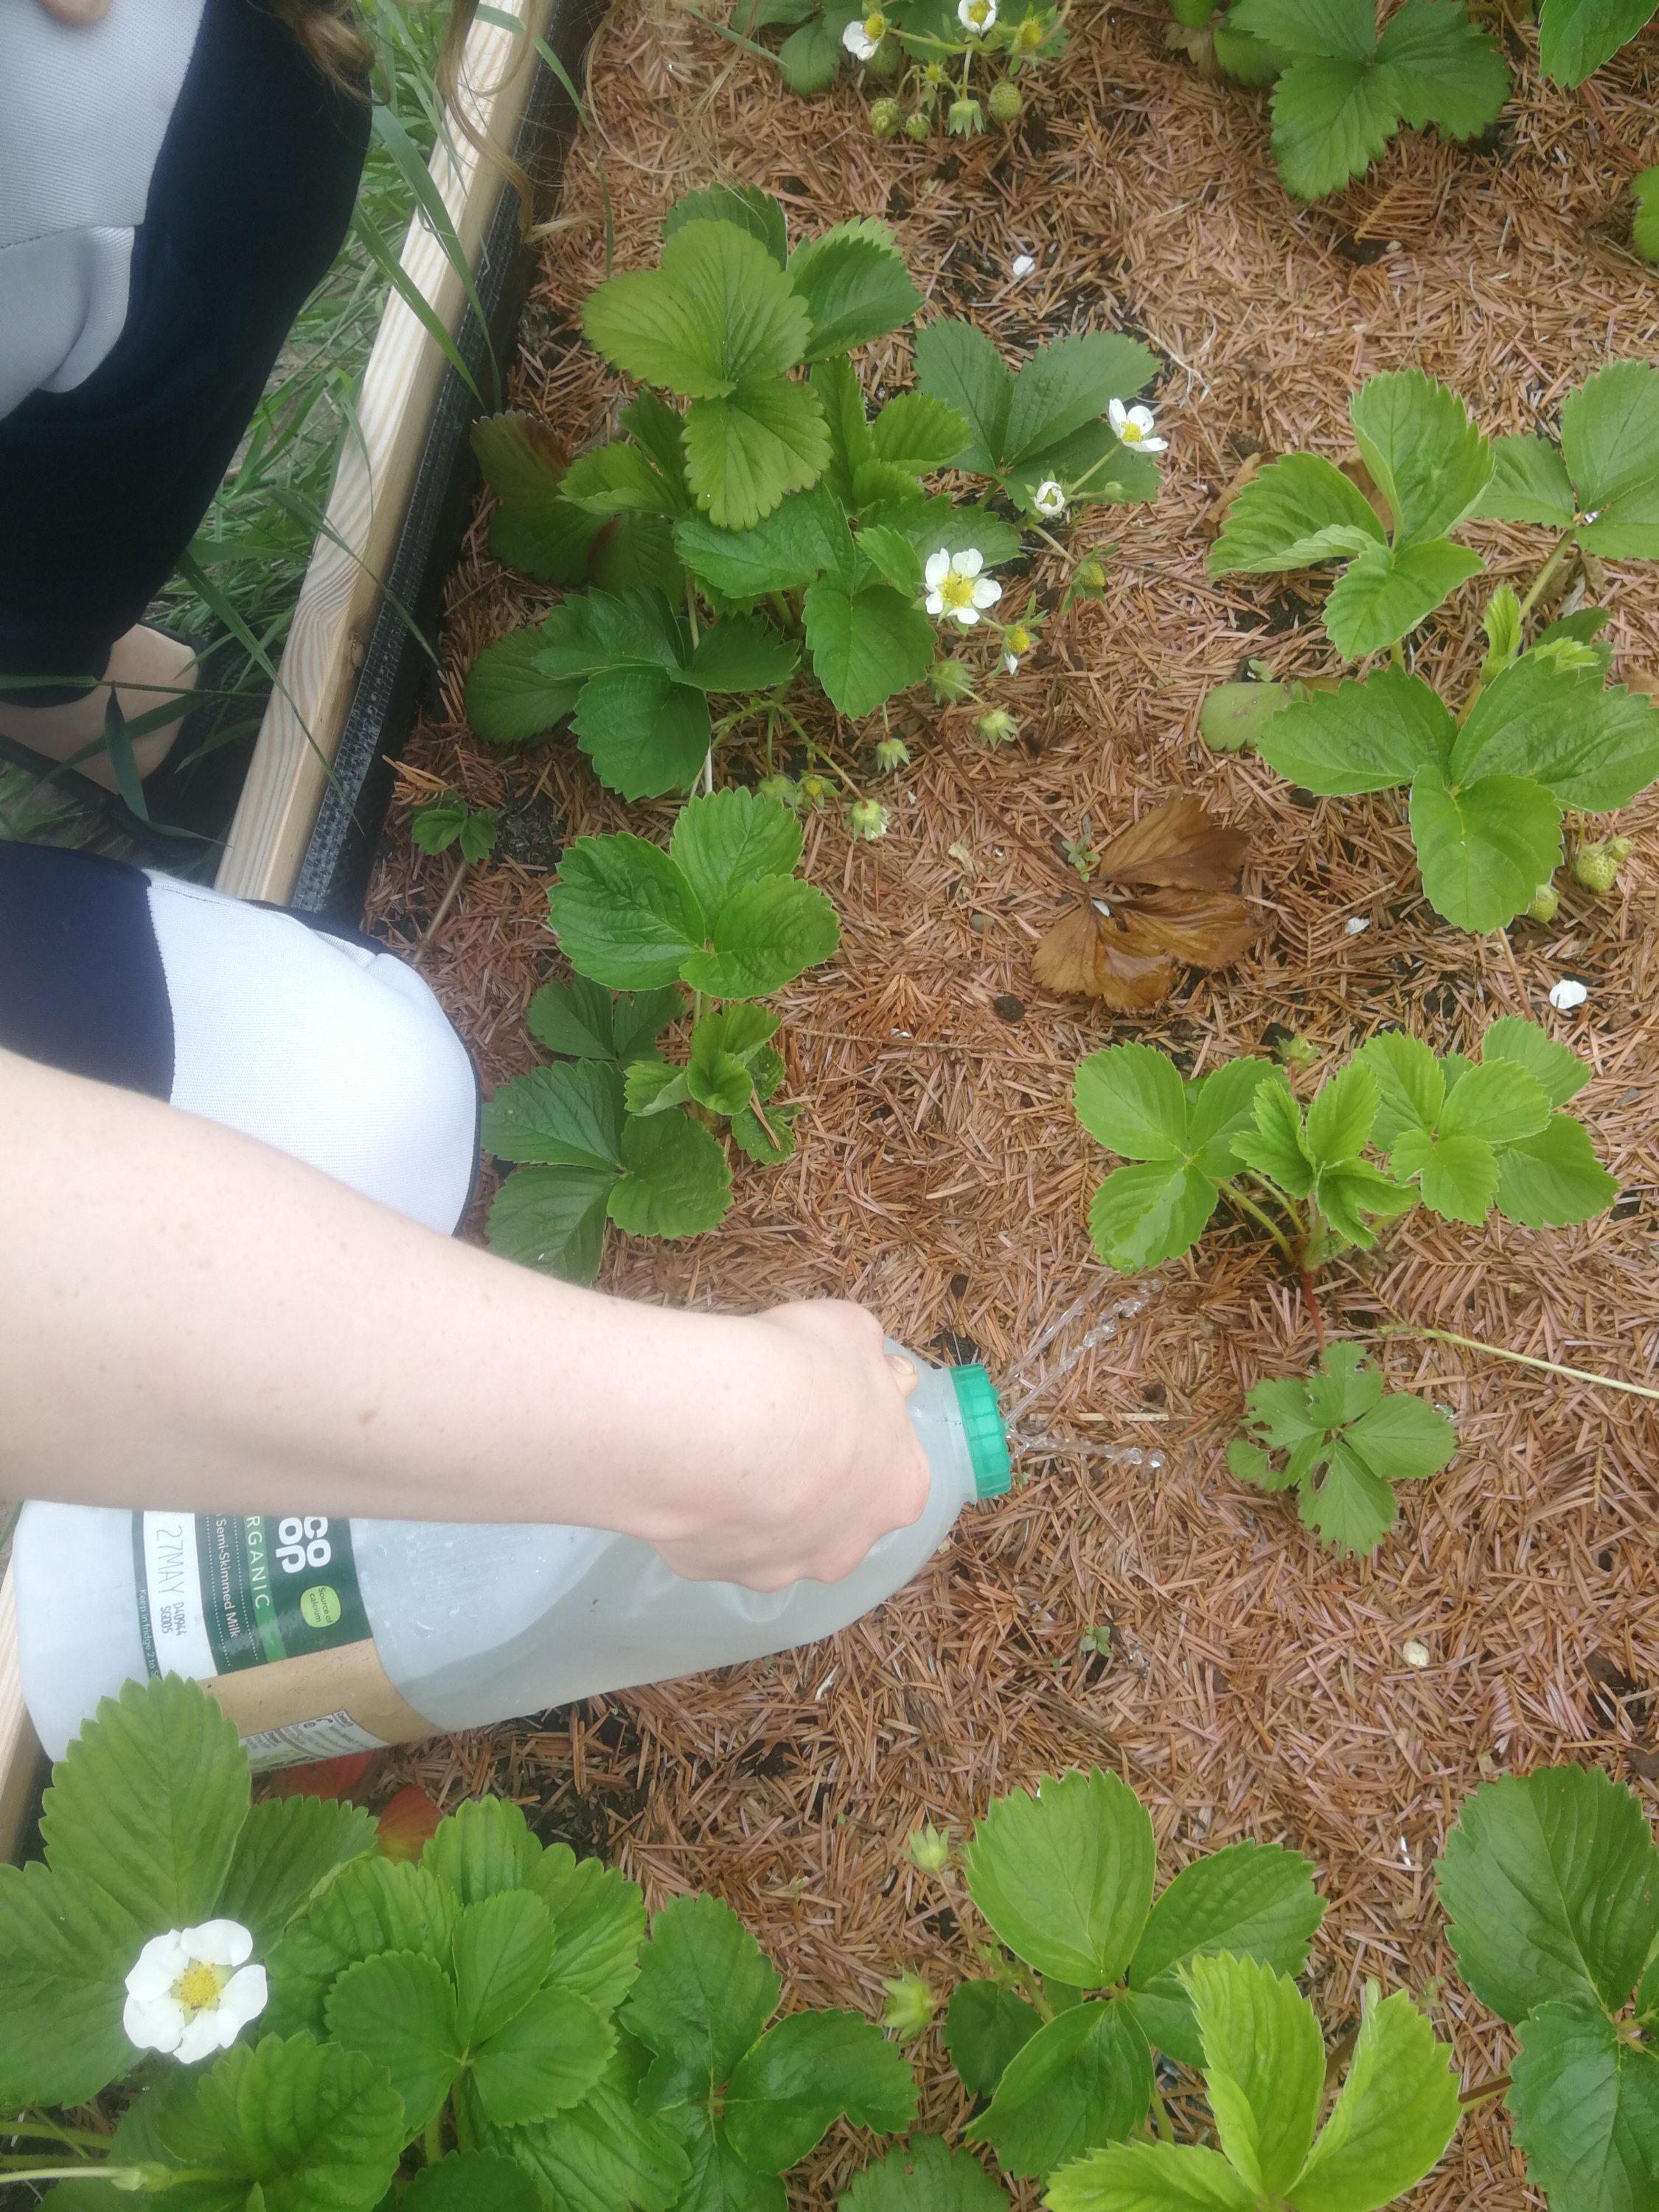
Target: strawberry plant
612, 1130
1343, 88
1060, 2037
1265, 2064
1457, 1136
1550, 1881
757, 523
1342, 1440
1541, 732
449, 821
934, 57
1644, 216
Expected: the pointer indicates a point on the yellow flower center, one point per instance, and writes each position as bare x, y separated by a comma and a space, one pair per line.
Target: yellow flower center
977, 12
1131, 434
1017, 640
956, 590
199, 1986
875, 27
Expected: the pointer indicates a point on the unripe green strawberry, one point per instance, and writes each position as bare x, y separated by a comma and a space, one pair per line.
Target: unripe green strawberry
887, 60
783, 788
966, 118
1006, 104
918, 127
910, 2005
1595, 867
996, 725
951, 681
886, 116
866, 818
1546, 903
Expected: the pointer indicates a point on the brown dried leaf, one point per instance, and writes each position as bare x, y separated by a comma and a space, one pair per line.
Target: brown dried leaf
1177, 843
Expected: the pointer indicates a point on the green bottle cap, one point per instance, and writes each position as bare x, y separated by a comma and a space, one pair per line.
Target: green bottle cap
982, 1424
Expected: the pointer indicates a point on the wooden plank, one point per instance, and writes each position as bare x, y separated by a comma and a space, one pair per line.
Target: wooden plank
339, 601
341, 594
20, 1748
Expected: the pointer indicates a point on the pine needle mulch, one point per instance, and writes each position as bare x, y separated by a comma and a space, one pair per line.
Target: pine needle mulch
1245, 1682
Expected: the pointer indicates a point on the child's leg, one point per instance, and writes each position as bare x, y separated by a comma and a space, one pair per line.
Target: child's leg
312, 1041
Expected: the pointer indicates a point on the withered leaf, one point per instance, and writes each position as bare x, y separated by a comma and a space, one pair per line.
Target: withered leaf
1123, 946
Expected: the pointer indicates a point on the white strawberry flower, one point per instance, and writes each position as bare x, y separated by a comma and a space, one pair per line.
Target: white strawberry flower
1567, 993
1133, 426
861, 39
193, 1992
955, 587
976, 15
1050, 499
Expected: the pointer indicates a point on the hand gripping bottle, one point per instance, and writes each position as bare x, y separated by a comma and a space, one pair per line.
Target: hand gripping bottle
322, 1637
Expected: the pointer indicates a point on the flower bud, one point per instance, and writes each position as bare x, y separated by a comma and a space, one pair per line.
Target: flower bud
918, 127
1090, 576
891, 753
783, 788
886, 116
816, 790
929, 1848
951, 681
1546, 902
1619, 848
866, 818
965, 118
1296, 1052
1017, 640
996, 727
1006, 104
910, 2005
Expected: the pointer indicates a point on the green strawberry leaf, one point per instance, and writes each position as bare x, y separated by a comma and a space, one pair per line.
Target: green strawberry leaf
740, 654
1293, 513
622, 479
1353, 1189
1338, 1123
1530, 483
1575, 37
1411, 1089
1550, 720
720, 2181
1416, 438
553, 1218
1277, 1146
1553, 1179
1484, 848
1222, 1103
985, 2025
852, 448
535, 528
1254, 1901
1234, 715
1143, 2177
1065, 1878
148, 1802
1455, 1176
502, 1947
743, 452
584, 1021
569, 1114
806, 2072
1396, 2113
865, 644
746, 205
544, 2060
1068, 384
598, 2156
955, 363
290, 1850
1366, 736
468, 2179
598, 1924
716, 311
483, 1848
1644, 220
855, 285
1332, 29
918, 433
66, 1948
623, 913
1556, 1068
675, 1181
790, 547
765, 935
1143, 1214
508, 697
1550, 1885
1331, 119
1387, 592
376, 1904
283, 2123
1584, 2103
1131, 1099
1446, 70
704, 1991
728, 840
923, 2175
1264, 2067
398, 2010
1085, 2078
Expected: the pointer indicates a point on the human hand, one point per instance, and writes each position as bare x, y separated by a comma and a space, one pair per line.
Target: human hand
824, 1460
77, 11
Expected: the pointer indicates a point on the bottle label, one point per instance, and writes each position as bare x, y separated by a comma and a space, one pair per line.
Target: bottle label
220, 1592
331, 1736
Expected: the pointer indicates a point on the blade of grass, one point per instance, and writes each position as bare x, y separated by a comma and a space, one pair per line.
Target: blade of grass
414, 298
418, 177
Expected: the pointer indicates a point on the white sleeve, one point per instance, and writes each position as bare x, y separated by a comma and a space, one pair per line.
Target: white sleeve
63, 302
